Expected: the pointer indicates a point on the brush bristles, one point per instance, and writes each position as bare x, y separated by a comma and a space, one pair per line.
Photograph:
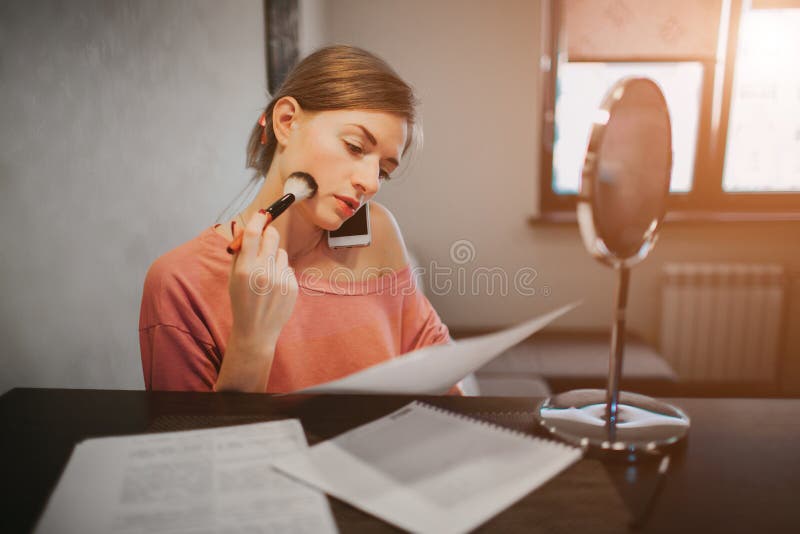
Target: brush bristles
302, 185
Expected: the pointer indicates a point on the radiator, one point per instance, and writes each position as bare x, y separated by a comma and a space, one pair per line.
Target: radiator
722, 322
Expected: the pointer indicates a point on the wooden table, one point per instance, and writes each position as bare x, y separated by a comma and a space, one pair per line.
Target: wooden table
739, 471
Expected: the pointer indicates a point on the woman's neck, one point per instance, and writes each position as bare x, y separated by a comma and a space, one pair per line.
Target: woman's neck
299, 237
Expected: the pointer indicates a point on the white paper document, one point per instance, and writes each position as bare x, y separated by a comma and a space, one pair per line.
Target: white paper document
428, 470
215, 480
435, 369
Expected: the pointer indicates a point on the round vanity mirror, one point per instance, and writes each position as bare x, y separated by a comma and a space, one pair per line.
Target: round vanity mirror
621, 205
626, 174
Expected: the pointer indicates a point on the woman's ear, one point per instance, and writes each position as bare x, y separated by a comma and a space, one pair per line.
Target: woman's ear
285, 115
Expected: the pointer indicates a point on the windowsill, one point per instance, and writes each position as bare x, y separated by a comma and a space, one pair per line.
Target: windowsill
569, 217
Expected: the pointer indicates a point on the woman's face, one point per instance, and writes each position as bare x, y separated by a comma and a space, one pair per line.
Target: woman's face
349, 153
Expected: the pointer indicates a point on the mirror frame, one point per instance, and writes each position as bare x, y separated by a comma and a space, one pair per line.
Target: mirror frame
586, 213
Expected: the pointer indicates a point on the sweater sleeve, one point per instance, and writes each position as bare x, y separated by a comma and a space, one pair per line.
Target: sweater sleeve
176, 347
421, 325
173, 360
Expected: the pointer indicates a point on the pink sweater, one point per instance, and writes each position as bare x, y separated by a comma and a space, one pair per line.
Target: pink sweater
333, 331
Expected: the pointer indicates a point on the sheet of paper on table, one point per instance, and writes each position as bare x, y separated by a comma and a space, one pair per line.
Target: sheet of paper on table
214, 480
429, 470
435, 369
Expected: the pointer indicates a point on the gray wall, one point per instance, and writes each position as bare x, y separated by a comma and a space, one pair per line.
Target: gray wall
123, 132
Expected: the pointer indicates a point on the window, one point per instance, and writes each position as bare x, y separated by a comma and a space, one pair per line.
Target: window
727, 69
763, 142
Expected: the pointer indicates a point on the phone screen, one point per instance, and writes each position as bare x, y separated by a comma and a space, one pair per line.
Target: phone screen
355, 225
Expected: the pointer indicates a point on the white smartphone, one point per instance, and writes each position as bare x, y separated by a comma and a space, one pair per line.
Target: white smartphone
355, 232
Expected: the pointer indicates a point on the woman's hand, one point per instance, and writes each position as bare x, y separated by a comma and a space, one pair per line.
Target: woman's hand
263, 290
263, 287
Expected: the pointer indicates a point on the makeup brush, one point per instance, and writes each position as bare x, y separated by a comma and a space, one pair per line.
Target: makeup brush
299, 186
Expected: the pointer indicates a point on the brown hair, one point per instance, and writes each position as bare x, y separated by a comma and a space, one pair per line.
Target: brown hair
333, 78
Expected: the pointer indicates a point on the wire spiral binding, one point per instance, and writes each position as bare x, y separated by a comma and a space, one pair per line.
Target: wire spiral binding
519, 420
495, 426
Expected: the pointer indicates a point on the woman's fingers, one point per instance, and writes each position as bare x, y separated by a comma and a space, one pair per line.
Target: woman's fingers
252, 238
260, 263
258, 241
281, 260
269, 243
284, 275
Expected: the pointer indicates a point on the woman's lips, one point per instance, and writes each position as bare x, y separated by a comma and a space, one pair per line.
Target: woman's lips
344, 207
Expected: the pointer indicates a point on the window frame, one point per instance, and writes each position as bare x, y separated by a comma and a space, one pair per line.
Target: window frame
706, 194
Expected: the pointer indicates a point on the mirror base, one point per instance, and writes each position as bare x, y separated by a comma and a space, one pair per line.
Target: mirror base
645, 425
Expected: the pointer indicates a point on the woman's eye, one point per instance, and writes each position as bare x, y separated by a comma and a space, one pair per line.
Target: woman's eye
355, 149
384, 175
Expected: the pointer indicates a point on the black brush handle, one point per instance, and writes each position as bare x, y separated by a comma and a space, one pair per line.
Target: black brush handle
280, 205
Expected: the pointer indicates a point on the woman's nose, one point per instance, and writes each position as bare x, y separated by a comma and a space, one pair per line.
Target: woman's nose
367, 179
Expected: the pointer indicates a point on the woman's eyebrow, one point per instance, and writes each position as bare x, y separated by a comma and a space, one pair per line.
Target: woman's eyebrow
371, 139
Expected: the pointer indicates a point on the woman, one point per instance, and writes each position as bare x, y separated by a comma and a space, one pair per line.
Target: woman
206, 324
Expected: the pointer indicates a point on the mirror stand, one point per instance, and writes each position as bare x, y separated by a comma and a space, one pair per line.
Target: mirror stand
621, 204
609, 420
617, 350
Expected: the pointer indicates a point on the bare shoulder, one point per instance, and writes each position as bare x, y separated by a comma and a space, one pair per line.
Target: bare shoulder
388, 248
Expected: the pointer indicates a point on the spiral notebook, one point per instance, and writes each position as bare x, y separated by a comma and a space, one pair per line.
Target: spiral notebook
429, 470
